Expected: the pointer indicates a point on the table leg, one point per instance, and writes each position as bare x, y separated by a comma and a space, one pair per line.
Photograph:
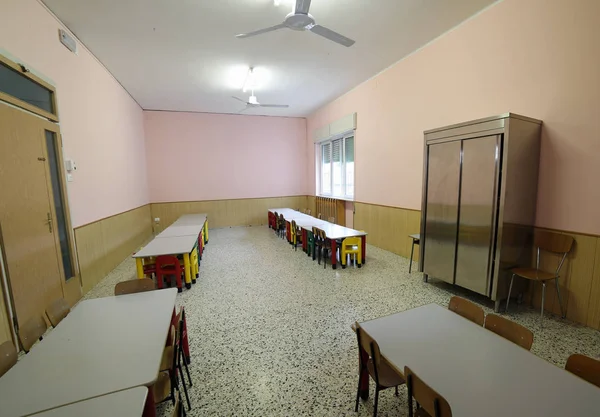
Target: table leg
139, 266
333, 253
149, 407
364, 376
412, 251
187, 273
363, 245
304, 243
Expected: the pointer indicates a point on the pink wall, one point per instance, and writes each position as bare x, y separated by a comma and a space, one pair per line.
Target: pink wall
540, 58
102, 126
200, 156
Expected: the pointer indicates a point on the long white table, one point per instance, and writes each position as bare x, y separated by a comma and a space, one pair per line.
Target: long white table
332, 231
478, 372
103, 346
180, 238
128, 403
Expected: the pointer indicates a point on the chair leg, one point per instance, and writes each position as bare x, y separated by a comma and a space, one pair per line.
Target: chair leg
357, 395
412, 250
376, 401
185, 391
562, 311
543, 300
509, 290
396, 391
187, 370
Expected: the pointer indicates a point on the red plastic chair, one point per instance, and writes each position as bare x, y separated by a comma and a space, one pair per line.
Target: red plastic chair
168, 265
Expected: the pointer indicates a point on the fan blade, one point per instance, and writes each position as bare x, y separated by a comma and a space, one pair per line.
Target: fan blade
239, 99
302, 6
331, 35
258, 32
278, 106
244, 109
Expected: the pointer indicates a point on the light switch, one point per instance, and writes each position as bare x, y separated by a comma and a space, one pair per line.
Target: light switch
69, 177
157, 219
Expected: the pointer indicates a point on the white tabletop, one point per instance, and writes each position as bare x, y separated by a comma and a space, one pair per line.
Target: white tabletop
128, 403
175, 230
332, 230
478, 372
103, 346
191, 220
174, 245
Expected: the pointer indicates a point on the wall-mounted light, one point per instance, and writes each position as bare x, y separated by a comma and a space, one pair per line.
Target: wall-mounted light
276, 2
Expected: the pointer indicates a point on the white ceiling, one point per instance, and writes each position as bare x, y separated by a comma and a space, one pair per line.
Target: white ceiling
183, 54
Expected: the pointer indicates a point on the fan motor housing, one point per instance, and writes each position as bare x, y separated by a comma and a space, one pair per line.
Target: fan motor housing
299, 21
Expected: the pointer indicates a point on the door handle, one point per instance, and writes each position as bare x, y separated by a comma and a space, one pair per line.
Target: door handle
49, 222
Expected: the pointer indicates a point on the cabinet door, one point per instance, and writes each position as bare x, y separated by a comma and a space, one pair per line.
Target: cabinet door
478, 200
441, 218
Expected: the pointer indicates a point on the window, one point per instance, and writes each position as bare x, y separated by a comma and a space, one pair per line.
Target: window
22, 87
336, 171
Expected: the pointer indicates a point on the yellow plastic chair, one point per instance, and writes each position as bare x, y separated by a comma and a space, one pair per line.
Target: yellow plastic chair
194, 265
351, 246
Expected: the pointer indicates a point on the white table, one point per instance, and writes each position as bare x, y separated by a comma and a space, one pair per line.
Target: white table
174, 231
174, 245
332, 231
103, 346
478, 372
191, 220
128, 403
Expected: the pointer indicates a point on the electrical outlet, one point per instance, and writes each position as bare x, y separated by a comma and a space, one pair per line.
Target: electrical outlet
157, 220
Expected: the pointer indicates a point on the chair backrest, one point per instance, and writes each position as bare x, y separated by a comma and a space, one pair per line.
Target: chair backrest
168, 261
308, 211
32, 331
467, 309
509, 330
349, 242
584, 367
554, 243
8, 357
331, 219
319, 216
134, 286
433, 403
369, 345
57, 311
178, 410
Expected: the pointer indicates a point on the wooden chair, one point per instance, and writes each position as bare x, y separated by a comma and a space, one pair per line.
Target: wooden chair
320, 216
57, 311
32, 331
429, 402
546, 242
8, 357
309, 212
296, 235
383, 375
509, 330
134, 286
467, 309
584, 367
167, 383
331, 219
281, 227
324, 247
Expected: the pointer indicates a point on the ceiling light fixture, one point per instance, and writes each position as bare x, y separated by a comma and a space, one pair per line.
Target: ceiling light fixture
276, 2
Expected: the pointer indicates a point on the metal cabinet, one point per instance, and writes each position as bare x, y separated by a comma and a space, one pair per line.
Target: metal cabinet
479, 201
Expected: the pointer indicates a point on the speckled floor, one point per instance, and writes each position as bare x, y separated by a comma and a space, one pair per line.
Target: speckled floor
270, 329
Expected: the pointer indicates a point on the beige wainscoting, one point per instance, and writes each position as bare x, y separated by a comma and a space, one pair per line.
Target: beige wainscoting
105, 243
225, 213
388, 227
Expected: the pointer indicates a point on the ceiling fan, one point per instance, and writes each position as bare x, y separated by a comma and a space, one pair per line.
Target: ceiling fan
253, 102
299, 19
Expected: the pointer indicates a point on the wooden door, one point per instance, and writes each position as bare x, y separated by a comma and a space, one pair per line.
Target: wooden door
26, 213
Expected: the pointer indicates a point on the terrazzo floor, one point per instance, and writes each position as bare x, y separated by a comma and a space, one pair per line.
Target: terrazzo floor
270, 329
